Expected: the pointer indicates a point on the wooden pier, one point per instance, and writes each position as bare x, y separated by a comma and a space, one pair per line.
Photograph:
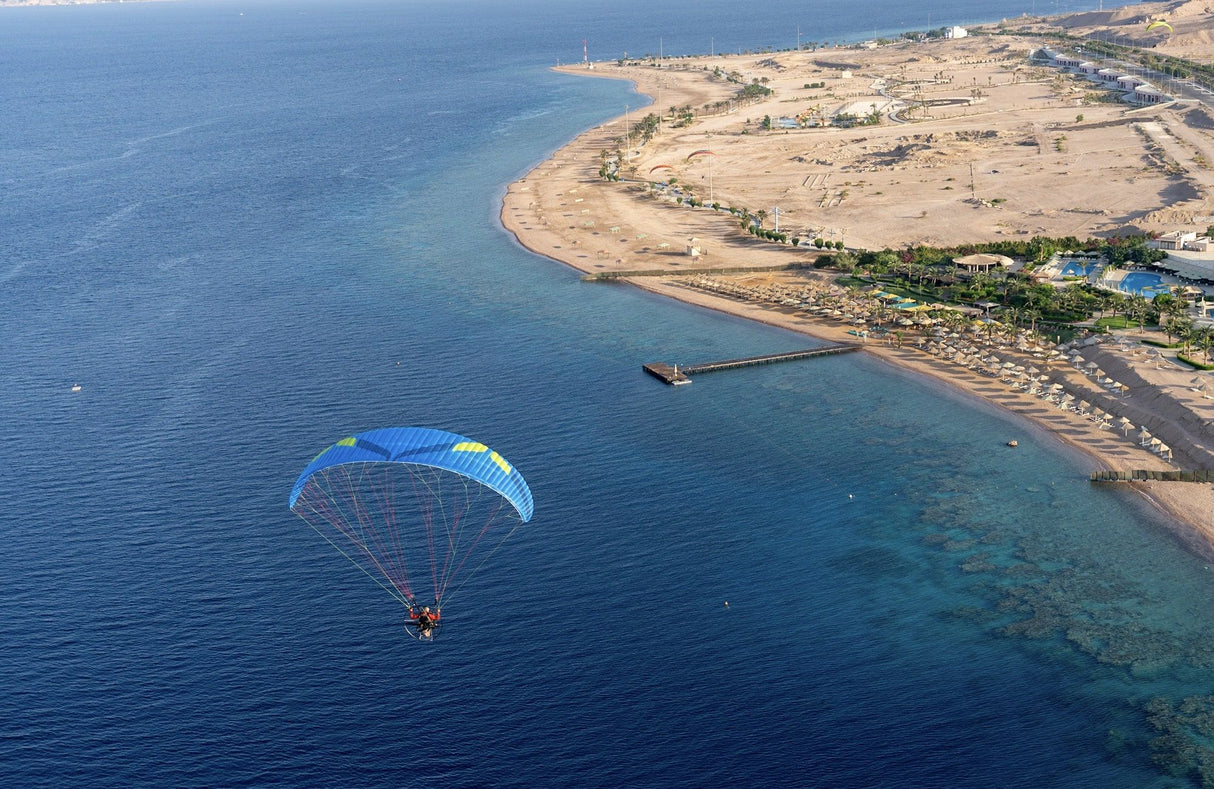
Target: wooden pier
676, 375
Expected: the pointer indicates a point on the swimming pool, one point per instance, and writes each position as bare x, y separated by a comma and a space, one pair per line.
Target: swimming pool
1143, 283
1076, 268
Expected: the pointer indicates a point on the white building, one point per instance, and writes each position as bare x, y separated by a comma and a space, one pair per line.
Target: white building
1177, 239
1145, 94
955, 32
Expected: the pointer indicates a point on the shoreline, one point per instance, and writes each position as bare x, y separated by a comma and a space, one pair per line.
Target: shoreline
554, 211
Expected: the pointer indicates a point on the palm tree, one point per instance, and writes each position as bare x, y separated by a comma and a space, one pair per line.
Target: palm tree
1177, 326
1205, 340
1012, 316
845, 261
1040, 296
880, 311
1032, 315
1013, 286
952, 319
1189, 337
1137, 309
1178, 307
1117, 302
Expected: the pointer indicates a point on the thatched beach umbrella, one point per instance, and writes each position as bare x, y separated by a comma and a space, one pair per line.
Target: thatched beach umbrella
1126, 425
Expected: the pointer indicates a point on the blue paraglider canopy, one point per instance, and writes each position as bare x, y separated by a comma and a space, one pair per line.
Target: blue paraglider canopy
427, 447
413, 507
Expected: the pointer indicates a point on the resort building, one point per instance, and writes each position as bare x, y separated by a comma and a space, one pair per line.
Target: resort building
1135, 89
982, 262
1145, 94
1177, 239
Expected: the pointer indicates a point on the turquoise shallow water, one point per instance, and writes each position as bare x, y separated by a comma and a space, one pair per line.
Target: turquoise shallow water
232, 259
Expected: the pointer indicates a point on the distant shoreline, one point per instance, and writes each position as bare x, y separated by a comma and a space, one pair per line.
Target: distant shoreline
563, 209
32, 3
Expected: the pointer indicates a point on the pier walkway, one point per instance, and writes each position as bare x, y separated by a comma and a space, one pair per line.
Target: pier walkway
676, 375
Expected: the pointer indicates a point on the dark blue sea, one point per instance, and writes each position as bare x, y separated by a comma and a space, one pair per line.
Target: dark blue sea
249, 229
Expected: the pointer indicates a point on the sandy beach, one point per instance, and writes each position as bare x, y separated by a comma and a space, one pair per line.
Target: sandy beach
986, 146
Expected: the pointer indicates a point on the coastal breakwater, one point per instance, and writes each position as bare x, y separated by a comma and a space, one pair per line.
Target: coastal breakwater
1154, 475
608, 276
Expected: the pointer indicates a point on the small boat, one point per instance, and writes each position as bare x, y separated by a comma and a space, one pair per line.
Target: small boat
77, 388
1013, 443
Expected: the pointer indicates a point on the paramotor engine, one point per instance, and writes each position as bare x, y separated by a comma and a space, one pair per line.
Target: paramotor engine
418, 510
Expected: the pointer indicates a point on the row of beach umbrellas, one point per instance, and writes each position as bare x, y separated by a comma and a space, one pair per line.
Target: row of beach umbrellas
962, 349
